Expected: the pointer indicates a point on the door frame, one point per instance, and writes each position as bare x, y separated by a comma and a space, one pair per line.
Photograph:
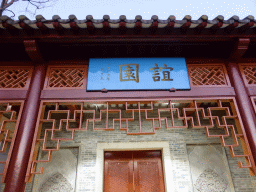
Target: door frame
133, 146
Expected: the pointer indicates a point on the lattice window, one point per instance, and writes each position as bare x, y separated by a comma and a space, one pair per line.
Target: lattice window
10, 112
208, 75
248, 73
15, 77
66, 77
58, 121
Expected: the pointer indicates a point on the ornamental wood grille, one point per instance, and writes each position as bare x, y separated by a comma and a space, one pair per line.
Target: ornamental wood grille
59, 120
248, 73
15, 77
66, 77
10, 113
208, 75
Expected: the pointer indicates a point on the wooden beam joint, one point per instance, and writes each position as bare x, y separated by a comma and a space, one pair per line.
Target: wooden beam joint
240, 48
32, 50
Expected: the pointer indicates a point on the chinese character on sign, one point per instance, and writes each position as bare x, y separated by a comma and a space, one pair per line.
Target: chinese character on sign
108, 77
166, 73
155, 69
102, 72
129, 72
165, 70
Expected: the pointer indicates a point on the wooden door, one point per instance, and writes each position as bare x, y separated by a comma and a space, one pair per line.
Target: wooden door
133, 171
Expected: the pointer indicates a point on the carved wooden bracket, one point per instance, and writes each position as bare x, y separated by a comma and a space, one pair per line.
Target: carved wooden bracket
240, 48
32, 50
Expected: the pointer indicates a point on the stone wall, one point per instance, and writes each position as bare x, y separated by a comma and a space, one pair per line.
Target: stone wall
178, 140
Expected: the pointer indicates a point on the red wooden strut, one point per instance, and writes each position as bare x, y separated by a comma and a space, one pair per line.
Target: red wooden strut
15, 179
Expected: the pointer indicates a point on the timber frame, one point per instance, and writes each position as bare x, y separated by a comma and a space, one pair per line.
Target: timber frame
223, 48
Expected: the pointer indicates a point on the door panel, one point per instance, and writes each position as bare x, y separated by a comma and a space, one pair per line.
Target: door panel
133, 171
118, 176
148, 175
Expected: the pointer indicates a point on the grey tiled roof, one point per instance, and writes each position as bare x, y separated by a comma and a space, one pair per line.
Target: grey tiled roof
72, 22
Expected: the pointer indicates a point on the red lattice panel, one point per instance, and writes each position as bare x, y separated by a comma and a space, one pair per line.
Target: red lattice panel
10, 112
249, 73
208, 75
15, 77
71, 116
66, 77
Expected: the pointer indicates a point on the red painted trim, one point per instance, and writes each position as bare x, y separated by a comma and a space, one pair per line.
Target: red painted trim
251, 90
83, 94
13, 94
15, 179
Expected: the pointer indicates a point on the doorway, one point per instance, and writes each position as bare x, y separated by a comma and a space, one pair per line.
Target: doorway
133, 171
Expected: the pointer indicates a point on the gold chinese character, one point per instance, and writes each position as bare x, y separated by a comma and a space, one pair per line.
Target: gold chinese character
166, 74
128, 70
155, 74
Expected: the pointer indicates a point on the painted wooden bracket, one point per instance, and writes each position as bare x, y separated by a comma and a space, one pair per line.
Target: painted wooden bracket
32, 50
240, 48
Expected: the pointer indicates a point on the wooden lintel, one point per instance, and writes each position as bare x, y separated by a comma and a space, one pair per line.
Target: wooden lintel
240, 48
32, 50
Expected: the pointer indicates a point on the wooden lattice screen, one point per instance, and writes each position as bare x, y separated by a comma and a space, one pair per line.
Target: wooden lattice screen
248, 72
66, 77
59, 120
10, 113
15, 77
208, 75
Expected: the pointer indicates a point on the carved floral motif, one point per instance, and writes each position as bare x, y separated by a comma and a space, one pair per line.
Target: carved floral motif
210, 181
56, 183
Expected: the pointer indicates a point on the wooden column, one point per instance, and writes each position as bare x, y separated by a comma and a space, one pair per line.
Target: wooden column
244, 105
15, 178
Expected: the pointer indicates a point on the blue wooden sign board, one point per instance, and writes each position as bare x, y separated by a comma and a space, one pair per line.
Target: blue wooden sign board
137, 74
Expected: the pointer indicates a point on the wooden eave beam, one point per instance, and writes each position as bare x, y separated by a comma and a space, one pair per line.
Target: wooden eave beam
73, 25
231, 27
217, 26
41, 26
170, 24
186, 25
122, 27
138, 26
154, 27
240, 48
106, 26
32, 50
9, 27
246, 26
202, 25
57, 26
90, 27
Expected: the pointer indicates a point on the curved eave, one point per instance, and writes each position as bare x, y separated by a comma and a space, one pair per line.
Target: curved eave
122, 26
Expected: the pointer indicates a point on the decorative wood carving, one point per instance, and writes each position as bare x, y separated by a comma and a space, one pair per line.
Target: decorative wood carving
58, 121
15, 77
32, 50
66, 77
208, 75
248, 72
10, 113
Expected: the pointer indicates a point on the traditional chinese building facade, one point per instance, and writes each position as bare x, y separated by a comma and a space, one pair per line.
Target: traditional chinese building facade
57, 135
